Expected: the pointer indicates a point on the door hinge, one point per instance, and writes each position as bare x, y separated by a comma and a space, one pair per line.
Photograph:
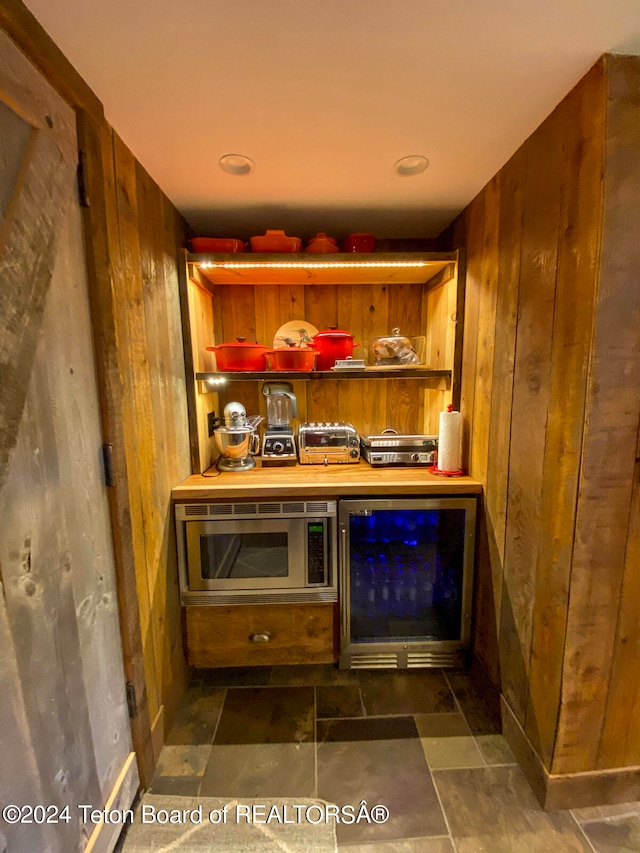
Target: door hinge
107, 461
82, 182
132, 704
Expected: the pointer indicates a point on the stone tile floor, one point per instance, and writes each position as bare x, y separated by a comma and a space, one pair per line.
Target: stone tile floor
424, 743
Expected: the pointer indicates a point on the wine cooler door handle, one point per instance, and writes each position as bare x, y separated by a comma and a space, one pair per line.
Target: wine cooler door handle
345, 604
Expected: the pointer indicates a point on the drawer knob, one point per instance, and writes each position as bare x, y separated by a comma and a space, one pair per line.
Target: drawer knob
260, 637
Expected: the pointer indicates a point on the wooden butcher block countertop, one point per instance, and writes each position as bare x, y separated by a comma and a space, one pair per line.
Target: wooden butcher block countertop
315, 480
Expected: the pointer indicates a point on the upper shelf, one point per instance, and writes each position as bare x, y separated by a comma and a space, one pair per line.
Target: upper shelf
373, 372
339, 268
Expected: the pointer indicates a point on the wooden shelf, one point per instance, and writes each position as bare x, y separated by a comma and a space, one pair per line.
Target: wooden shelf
390, 268
367, 373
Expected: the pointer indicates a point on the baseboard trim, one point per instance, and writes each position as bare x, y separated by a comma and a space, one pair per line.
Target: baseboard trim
593, 788
525, 754
104, 837
568, 790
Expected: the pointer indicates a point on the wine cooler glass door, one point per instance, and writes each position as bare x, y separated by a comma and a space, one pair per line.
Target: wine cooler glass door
407, 569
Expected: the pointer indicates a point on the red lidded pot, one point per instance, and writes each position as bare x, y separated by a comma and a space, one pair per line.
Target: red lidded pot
332, 344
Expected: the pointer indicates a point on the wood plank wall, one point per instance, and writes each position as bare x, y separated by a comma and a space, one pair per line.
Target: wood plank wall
598, 725
145, 234
551, 401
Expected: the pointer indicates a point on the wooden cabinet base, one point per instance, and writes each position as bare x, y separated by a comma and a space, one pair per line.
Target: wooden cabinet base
261, 635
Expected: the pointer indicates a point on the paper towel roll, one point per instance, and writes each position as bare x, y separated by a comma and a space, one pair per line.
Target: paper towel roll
449, 449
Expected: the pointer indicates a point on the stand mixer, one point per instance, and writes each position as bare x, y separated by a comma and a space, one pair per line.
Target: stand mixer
278, 443
237, 440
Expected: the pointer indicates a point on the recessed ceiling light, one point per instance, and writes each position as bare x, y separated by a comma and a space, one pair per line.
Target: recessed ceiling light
236, 164
412, 164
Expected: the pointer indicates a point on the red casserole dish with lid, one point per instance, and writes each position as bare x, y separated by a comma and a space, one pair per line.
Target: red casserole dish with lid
275, 241
240, 355
322, 245
216, 244
292, 358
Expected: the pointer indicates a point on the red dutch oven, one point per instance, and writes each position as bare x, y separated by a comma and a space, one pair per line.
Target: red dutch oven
240, 355
292, 358
332, 344
216, 244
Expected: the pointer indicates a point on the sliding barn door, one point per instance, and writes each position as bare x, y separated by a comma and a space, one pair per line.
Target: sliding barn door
64, 724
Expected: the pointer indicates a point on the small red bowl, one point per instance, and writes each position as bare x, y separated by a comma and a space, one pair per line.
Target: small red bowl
216, 244
359, 243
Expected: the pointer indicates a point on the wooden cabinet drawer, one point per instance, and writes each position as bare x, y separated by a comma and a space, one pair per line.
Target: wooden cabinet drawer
261, 634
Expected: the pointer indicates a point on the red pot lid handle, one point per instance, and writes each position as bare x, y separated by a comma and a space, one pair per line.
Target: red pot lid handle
333, 331
242, 341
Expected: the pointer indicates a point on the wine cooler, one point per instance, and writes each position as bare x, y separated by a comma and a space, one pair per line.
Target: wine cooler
406, 582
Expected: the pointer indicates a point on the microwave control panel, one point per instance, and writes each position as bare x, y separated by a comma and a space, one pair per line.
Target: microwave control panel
316, 553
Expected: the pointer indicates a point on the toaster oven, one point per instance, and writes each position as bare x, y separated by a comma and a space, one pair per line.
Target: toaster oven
328, 443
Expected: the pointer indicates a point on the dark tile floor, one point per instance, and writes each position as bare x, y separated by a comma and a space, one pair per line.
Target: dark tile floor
424, 743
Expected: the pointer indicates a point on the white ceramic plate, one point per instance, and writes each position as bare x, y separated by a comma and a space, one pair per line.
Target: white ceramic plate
295, 330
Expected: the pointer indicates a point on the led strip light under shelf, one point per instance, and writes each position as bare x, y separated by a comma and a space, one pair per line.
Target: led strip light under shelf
310, 265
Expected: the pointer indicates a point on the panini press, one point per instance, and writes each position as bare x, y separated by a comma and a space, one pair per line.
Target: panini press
389, 448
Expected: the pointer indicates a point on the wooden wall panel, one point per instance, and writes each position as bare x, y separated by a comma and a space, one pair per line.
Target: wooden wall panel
620, 738
530, 402
201, 314
144, 236
321, 307
267, 309
594, 686
579, 252
484, 302
479, 451
510, 225
100, 227
138, 413
560, 556
474, 228
439, 317
161, 234
376, 416
405, 309
322, 400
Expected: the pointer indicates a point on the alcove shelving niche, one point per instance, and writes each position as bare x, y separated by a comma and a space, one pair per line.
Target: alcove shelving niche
253, 295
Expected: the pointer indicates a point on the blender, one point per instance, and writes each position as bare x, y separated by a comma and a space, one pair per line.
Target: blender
278, 443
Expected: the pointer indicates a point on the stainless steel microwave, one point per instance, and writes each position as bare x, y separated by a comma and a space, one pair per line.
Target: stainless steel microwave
251, 553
